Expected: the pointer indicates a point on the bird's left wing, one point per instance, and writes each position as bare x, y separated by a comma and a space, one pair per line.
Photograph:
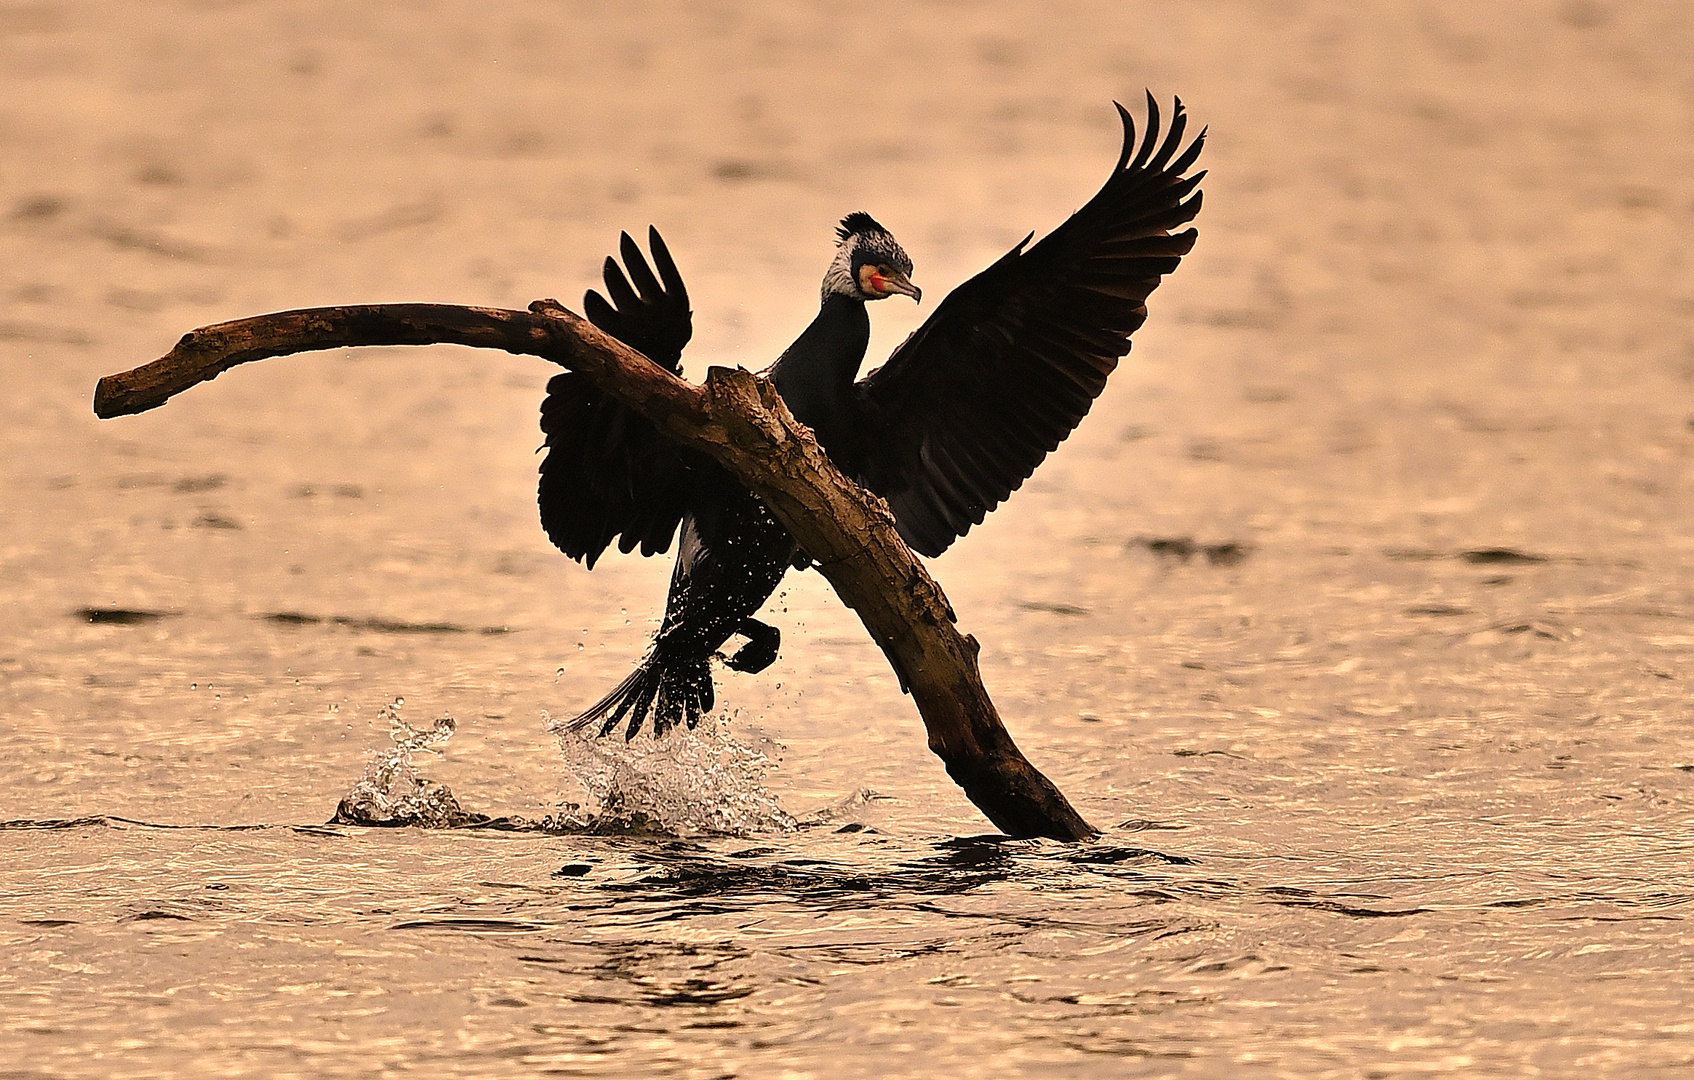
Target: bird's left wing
608, 473
1012, 360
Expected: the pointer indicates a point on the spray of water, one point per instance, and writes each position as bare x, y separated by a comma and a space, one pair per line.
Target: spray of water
690, 781
392, 793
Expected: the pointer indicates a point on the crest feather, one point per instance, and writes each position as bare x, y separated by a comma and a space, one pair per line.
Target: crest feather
858, 222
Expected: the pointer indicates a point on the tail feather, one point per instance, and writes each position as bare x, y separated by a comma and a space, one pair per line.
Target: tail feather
668, 689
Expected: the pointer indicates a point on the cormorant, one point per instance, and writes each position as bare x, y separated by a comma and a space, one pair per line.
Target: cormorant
957, 419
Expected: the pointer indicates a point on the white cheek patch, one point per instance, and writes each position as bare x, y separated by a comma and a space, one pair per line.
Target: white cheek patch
838, 280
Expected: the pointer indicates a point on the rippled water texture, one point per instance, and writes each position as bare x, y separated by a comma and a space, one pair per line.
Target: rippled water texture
1359, 615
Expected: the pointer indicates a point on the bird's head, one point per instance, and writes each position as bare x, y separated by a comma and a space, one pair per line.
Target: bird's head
870, 264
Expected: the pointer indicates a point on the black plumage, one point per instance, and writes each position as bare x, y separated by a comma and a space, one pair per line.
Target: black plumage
953, 423
607, 471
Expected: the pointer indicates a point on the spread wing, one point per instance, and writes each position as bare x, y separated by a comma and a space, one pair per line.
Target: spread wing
608, 473
1012, 360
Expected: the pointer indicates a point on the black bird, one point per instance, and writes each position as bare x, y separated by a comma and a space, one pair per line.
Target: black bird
957, 419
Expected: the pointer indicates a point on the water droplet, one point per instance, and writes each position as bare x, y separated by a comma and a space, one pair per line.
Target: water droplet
391, 792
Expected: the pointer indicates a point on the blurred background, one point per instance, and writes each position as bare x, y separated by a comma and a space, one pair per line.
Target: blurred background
1442, 302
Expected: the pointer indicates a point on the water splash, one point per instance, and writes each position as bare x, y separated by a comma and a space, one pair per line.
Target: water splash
392, 793
690, 781
853, 812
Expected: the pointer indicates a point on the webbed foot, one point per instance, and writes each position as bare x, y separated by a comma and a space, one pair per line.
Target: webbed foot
759, 652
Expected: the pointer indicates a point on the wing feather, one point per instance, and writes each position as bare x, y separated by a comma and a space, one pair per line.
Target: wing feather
608, 474
977, 470
1012, 360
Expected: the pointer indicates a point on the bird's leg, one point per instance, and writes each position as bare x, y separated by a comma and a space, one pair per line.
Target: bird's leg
760, 651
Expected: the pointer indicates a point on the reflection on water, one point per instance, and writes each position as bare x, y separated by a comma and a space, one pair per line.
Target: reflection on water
687, 874
496, 952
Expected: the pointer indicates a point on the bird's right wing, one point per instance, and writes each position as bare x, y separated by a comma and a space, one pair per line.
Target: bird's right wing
608, 474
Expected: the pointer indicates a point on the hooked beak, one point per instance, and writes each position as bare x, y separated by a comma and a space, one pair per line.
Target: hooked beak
900, 283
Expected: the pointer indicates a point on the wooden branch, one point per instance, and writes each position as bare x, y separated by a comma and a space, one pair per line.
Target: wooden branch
739, 420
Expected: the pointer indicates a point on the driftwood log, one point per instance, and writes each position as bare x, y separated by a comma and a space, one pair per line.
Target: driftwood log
738, 419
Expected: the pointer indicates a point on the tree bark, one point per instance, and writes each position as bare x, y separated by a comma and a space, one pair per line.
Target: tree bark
739, 420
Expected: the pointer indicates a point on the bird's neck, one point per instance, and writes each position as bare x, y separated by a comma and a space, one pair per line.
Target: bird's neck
815, 375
